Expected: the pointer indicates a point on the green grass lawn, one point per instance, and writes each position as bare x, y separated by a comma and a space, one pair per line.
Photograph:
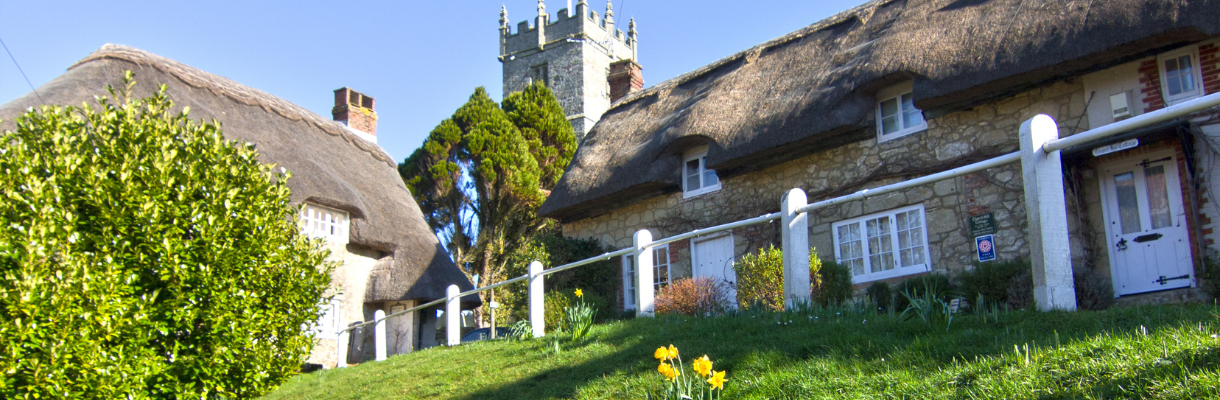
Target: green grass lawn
1147, 352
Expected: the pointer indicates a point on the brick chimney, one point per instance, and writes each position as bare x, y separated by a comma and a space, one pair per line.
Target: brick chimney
625, 78
355, 110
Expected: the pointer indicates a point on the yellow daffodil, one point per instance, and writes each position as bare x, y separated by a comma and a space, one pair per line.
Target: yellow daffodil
667, 371
717, 380
702, 365
673, 352
579, 293
661, 353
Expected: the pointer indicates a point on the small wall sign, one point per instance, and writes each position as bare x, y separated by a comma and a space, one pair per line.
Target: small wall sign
982, 224
986, 247
1120, 146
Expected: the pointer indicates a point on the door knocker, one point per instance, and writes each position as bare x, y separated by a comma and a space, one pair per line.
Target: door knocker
1122, 245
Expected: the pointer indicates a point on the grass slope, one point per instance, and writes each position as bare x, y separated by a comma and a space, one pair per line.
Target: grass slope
1149, 352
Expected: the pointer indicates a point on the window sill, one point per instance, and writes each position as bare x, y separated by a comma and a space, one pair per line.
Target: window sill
701, 191
900, 134
894, 273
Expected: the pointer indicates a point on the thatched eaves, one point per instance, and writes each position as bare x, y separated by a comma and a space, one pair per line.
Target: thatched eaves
814, 89
330, 165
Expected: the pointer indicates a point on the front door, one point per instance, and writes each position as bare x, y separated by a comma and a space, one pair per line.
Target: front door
1146, 226
713, 258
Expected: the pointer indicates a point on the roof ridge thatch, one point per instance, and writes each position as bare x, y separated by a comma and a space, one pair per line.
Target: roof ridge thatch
329, 165
815, 88
752, 50
243, 94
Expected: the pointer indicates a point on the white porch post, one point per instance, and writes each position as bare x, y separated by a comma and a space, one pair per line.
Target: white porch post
795, 238
537, 301
453, 316
1047, 213
341, 348
379, 334
643, 273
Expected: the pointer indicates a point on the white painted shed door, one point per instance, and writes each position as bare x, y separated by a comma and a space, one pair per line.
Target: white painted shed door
713, 258
1146, 226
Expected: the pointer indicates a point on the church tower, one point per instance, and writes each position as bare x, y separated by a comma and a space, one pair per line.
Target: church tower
574, 55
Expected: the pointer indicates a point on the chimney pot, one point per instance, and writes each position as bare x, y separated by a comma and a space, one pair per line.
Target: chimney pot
355, 110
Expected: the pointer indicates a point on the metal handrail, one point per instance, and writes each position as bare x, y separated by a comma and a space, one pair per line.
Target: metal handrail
1116, 128
920, 181
1127, 125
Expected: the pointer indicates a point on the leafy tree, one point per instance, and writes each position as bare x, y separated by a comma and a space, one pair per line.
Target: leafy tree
481, 175
143, 256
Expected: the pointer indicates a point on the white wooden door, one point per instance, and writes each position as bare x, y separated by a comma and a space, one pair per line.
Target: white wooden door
1146, 227
713, 258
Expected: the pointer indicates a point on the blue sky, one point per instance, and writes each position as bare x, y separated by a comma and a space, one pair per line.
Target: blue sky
420, 60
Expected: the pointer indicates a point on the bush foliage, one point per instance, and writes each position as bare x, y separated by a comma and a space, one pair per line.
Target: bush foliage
760, 280
144, 256
700, 296
833, 282
992, 280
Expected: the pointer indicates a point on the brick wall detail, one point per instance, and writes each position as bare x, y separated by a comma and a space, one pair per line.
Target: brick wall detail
1209, 62
1150, 78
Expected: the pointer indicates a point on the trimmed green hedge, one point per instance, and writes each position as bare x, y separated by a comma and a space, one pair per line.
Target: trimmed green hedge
144, 256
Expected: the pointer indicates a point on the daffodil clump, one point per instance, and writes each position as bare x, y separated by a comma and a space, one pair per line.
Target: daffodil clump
679, 386
580, 317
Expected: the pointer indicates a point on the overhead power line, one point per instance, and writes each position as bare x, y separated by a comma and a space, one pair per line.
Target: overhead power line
27, 79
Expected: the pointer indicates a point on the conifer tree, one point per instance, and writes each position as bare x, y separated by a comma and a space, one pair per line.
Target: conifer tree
481, 175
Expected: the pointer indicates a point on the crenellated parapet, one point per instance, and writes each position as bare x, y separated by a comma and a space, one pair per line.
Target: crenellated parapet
581, 26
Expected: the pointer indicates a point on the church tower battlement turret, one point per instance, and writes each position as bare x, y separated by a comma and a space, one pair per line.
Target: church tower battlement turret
571, 55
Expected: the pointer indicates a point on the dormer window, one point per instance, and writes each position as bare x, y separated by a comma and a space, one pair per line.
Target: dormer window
325, 223
697, 179
896, 113
1180, 79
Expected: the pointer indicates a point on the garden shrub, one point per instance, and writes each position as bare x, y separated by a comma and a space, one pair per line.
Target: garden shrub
881, 295
599, 280
554, 308
556, 303
698, 297
1211, 274
992, 280
1093, 292
833, 282
760, 279
939, 283
144, 256
1021, 292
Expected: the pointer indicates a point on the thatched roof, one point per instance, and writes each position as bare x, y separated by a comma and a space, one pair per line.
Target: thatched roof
814, 88
330, 165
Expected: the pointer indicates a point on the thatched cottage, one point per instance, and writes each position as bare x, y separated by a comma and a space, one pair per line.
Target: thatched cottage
896, 89
352, 195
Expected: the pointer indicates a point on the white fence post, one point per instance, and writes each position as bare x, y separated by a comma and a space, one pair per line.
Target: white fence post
379, 343
795, 238
643, 273
341, 349
453, 316
537, 301
1047, 213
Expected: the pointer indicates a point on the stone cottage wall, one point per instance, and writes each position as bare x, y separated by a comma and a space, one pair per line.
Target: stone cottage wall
959, 138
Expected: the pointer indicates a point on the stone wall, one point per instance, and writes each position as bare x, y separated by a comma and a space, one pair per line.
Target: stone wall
985, 131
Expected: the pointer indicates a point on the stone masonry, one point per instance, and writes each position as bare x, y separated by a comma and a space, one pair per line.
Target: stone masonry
571, 54
985, 131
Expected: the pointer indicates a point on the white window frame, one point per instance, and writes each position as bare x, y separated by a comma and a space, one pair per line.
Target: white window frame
899, 270
1196, 71
331, 320
700, 154
326, 223
895, 93
629, 274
